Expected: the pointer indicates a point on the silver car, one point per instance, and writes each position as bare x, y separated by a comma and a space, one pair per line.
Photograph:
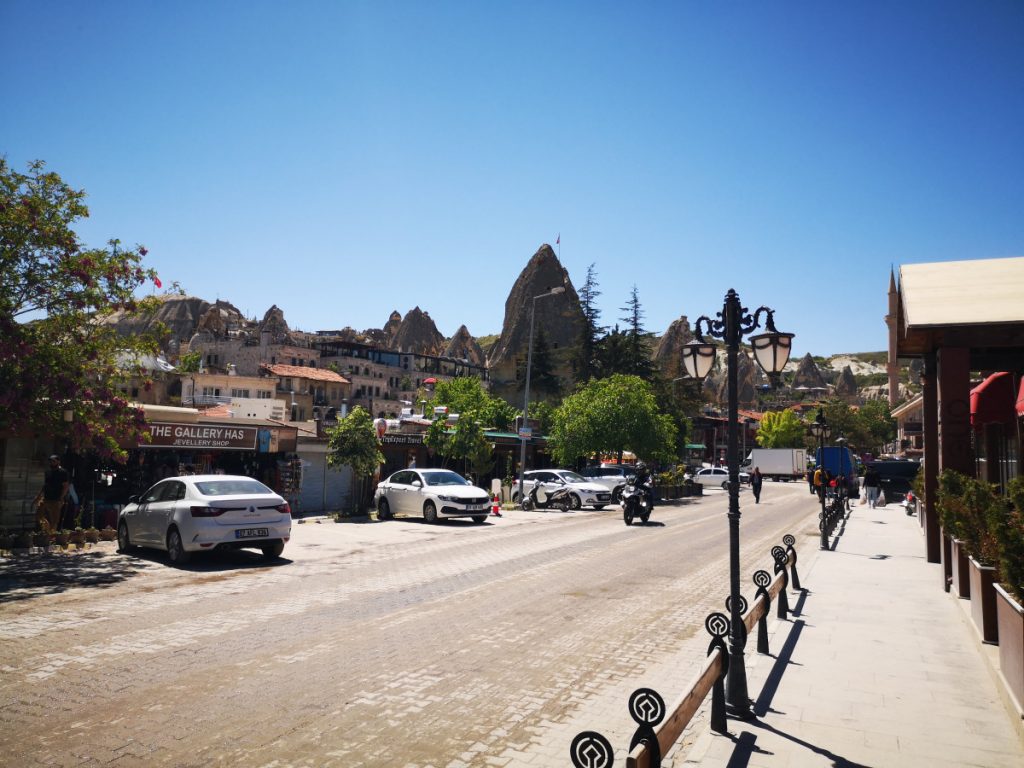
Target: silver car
432, 494
717, 477
194, 513
583, 492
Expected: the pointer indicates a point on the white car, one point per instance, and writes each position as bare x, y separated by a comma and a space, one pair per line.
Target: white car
611, 477
582, 491
193, 513
717, 477
432, 494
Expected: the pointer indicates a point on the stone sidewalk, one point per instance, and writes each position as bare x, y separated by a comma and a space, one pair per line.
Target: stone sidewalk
877, 666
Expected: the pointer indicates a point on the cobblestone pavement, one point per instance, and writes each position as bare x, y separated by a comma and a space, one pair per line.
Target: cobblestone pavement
374, 644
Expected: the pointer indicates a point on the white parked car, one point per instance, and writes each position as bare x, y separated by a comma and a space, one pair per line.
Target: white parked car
583, 492
611, 477
717, 477
432, 494
194, 513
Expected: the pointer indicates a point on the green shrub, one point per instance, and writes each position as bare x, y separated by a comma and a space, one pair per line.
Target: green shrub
967, 508
1008, 528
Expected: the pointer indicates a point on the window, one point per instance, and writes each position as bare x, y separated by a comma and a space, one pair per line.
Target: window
264, 394
211, 391
239, 392
376, 391
293, 361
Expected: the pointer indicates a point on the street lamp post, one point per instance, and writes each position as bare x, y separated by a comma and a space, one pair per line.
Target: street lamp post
526, 391
821, 430
771, 351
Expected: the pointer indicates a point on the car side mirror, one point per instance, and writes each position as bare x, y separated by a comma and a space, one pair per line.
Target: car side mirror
133, 499
416, 484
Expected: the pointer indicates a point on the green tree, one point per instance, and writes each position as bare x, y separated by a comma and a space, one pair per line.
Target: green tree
466, 396
613, 353
875, 425
544, 413
781, 429
586, 363
619, 413
56, 352
638, 340
462, 441
353, 442
190, 362
544, 382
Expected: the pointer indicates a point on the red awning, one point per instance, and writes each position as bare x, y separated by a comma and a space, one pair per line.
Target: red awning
993, 400
1020, 398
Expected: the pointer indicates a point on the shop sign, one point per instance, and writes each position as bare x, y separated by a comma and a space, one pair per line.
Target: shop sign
225, 438
402, 439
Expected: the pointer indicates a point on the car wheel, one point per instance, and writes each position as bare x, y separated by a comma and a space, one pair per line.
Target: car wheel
725, 485
574, 501
598, 507
430, 512
383, 510
176, 551
480, 519
616, 495
124, 544
273, 550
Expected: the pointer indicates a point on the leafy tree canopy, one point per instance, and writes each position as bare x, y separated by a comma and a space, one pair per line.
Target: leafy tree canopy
466, 396
619, 413
352, 442
781, 429
56, 354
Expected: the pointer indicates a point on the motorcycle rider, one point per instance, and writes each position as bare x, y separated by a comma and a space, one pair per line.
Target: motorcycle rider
643, 480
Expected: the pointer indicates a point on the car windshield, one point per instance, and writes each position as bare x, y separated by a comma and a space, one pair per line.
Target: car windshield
444, 478
571, 477
232, 487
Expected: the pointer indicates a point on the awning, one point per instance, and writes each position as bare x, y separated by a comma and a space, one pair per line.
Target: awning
1020, 399
992, 401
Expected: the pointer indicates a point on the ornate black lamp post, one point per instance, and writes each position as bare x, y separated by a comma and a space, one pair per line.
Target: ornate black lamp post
771, 350
821, 430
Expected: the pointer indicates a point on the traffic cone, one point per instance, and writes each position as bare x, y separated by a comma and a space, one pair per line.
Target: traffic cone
495, 506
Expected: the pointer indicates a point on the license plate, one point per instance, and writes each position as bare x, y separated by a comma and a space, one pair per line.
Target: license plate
476, 507
251, 533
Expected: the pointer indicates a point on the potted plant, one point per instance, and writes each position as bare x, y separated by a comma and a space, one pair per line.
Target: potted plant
108, 534
949, 502
92, 535
77, 537
982, 506
1009, 533
62, 537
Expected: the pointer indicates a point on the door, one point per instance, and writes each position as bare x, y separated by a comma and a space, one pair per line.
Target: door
140, 522
401, 493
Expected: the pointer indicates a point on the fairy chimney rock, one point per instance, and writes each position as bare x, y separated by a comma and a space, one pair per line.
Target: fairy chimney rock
669, 353
746, 380
846, 386
464, 347
392, 325
559, 315
808, 376
418, 334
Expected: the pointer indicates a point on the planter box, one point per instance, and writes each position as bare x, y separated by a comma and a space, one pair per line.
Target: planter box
1011, 645
961, 570
946, 559
983, 600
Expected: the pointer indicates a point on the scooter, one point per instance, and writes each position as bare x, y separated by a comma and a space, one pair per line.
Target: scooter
541, 498
909, 503
636, 501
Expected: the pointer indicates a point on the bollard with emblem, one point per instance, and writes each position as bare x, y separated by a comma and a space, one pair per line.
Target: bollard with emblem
779, 555
762, 579
790, 541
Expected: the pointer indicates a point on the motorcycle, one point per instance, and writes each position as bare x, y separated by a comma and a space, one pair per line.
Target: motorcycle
909, 503
542, 498
636, 502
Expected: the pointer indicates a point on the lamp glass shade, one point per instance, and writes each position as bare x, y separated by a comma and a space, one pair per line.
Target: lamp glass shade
771, 350
826, 431
816, 427
698, 358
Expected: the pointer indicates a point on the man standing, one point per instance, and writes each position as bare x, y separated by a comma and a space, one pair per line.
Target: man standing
872, 483
51, 498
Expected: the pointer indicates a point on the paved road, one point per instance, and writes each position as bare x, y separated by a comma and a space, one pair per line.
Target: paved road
376, 644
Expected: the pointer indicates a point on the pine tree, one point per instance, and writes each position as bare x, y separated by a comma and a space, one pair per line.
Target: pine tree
586, 364
637, 349
543, 379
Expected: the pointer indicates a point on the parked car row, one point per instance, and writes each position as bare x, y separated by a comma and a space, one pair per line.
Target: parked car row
188, 514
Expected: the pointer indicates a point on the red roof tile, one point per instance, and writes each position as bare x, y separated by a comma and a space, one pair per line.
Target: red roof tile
302, 372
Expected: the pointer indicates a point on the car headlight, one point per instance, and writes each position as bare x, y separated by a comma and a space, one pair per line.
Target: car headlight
442, 497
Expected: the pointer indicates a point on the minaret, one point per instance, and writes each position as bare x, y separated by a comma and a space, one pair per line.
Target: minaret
892, 368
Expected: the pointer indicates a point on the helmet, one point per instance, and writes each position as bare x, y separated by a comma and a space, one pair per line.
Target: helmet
640, 466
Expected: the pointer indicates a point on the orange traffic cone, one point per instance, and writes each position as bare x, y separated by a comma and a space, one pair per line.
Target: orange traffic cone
496, 506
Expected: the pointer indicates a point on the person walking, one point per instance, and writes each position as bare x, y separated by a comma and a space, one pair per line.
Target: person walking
56, 483
756, 481
872, 483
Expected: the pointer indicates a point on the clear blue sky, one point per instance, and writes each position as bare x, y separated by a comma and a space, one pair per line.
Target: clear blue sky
343, 159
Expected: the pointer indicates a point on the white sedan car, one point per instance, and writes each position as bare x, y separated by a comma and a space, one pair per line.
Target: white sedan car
432, 494
583, 492
717, 477
193, 513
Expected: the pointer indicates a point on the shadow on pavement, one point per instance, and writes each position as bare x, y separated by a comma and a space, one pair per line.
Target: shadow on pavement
22, 578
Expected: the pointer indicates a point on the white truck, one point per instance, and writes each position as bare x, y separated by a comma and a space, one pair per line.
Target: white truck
777, 463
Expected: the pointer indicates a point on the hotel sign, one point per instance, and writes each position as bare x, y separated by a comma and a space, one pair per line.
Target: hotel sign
225, 438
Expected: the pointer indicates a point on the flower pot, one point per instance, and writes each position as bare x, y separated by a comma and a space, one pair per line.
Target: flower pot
983, 600
108, 534
62, 539
947, 559
1010, 618
92, 535
41, 540
961, 570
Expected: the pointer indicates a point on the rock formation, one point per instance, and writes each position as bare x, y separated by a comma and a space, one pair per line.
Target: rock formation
180, 314
669, 352
746, 379
274, 323
808, 376
391, 326
846, 386
464, 347
560, 316
418, 334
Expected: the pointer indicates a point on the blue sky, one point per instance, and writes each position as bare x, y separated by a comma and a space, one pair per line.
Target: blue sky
344, 159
